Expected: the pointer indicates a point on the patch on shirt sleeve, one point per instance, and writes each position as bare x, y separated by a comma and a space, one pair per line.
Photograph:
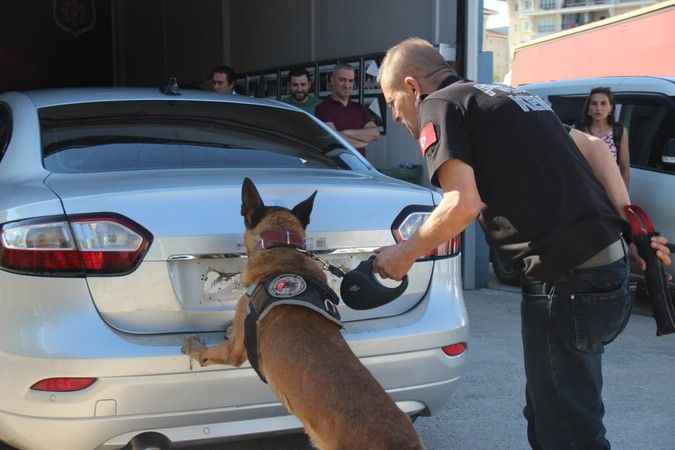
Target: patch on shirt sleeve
427, 137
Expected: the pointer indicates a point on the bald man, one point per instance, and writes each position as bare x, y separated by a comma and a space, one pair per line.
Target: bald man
503, 156
351, 119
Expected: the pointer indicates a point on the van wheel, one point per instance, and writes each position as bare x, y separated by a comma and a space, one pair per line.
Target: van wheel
507, 272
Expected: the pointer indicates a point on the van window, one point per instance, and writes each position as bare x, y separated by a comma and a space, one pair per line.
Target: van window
567, 108
650, 121
5, 128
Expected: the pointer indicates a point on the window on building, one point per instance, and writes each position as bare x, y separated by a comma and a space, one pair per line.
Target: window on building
546, 25
548, 4
526, 5
525, 25
573, 20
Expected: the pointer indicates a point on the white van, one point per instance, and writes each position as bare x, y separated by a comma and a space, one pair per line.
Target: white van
646, 107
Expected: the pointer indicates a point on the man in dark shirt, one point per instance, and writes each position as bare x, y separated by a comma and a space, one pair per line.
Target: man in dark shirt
349, 118
503, 155
222, 80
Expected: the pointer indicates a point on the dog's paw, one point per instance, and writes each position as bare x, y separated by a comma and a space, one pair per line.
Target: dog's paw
192, 345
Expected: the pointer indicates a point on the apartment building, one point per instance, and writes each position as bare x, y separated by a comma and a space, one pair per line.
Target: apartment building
496, 41
532, 19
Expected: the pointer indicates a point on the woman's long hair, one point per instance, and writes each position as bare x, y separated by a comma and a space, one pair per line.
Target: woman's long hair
587, 120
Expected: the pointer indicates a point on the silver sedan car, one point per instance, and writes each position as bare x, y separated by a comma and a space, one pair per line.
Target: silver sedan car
121, 234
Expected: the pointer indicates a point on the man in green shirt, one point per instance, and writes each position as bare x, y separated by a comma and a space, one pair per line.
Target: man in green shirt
299, 86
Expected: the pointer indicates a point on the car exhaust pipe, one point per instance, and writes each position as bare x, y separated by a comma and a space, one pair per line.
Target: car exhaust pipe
150, 441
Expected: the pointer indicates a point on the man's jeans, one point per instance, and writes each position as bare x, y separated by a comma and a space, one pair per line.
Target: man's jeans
565, 328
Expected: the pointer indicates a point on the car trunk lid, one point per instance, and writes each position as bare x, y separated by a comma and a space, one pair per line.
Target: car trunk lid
189, 279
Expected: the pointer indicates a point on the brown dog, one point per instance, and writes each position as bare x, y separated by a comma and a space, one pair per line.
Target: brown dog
302, 355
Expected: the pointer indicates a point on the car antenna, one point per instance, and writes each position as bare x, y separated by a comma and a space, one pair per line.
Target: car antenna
171, 87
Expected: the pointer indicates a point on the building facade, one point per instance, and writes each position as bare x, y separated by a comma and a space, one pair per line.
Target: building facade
496, 41
532, 19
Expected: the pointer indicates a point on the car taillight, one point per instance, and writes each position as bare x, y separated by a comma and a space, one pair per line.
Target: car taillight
454, 349
79, 245
410, 219
63, 384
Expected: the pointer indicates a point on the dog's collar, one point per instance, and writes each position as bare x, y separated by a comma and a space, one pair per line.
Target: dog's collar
280, 238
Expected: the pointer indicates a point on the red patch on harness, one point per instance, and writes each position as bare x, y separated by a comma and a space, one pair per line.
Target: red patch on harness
427, 137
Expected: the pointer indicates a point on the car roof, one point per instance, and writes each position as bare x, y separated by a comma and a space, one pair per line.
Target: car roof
662, 85
65, 96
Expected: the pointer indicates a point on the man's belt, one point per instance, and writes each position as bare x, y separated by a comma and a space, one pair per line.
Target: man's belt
612, 253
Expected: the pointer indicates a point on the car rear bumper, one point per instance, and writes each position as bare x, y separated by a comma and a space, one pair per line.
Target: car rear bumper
145, 384
233, 422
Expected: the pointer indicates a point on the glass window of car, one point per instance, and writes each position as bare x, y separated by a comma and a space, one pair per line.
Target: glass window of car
650, 120
171, 134
5, 128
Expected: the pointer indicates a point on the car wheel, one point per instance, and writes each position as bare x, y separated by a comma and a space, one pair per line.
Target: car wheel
507, 272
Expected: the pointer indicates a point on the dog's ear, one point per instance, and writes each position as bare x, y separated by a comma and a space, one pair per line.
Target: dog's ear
303, 209
250, 202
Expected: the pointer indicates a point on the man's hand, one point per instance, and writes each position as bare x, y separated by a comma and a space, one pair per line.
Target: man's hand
662, 252
393, 262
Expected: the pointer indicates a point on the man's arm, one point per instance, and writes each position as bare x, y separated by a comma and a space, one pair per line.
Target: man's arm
607, 172
359, 138
460, 205
362, 137
624, 158
604, 168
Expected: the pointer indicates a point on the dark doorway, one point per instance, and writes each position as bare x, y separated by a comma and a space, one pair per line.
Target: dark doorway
55, 43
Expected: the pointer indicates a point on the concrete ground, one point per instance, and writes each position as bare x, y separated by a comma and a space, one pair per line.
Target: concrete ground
485, 411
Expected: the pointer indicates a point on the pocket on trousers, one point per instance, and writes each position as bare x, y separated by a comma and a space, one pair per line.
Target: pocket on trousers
598, 318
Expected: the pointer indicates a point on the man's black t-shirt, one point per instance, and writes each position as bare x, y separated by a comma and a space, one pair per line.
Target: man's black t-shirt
544, 204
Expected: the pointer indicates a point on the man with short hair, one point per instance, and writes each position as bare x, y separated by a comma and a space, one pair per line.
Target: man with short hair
349, 118
502, 155
222, 80
299, 86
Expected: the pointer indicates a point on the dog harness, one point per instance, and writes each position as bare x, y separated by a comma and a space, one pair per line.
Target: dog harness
285, 289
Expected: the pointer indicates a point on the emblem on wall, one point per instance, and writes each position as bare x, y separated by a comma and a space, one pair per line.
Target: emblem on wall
75, 16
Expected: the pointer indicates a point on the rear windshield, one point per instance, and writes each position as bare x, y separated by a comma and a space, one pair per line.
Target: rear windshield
148, 135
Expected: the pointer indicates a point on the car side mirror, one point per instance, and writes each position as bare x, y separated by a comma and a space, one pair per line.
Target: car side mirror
668, 157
